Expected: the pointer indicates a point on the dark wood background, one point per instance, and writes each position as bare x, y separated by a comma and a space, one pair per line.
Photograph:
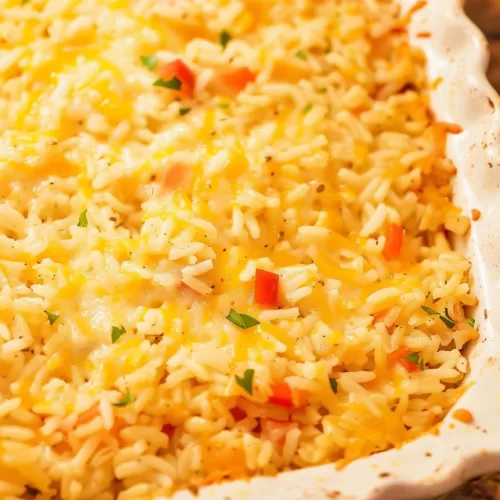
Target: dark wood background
486, 14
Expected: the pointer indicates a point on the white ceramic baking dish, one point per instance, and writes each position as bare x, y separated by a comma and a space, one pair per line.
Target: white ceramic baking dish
433, 464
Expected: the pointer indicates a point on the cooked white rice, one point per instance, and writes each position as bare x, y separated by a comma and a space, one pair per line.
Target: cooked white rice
134, 217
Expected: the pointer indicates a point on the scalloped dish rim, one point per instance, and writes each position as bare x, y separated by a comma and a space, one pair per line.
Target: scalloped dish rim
435, 463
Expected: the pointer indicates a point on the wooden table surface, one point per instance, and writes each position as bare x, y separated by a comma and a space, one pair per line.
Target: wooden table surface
486, 14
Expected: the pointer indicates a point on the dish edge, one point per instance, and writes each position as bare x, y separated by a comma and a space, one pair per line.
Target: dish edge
433, 464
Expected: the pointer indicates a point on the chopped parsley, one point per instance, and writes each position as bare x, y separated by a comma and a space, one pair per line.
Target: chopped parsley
184, 111
300, 54
51, 317
430, 312
82, 220
333, 384
224, 38
328, 46
223, 105
445, 318
149, 62
23, 2
412, 358
127, 399
117, 332
246, 381
307, 108
471, 321
242, 320
416, 360
174, 83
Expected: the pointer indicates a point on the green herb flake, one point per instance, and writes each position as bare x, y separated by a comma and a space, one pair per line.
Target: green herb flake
448, 322
246, 381
300, 54
224, 38
24, 1
174, 83
412, 358
430, 311
30, 491
333, 384
149, 62
421, 365
223, 105
323, 90
471, 321
445, 318
242, 320
307, 108
117, 332
127, 399
82, 220
184, 111
51, 317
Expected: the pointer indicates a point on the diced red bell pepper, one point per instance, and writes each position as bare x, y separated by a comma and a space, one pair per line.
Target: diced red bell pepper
180, 70
394, 241
379, 316
238, 413
266, 288
238, 78
168, 429
398, 356
282, 395
409, 366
